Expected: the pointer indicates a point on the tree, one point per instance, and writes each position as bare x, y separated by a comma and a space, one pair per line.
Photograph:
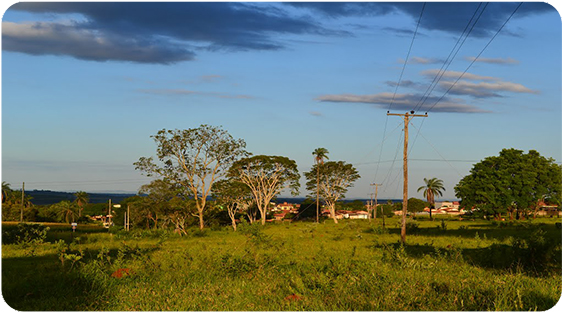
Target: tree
320, 155
159, 194
334, 180
415, 205
66, 210
266, 176
6, 191
82, 198
234, 196
432, 187
194, 159
509, 182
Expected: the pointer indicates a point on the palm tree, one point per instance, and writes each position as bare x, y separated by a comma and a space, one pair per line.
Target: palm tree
6, 191
320, 155
433, 187
66, 210
81, 199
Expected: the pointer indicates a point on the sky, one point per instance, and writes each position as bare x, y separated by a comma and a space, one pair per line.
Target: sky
85, 85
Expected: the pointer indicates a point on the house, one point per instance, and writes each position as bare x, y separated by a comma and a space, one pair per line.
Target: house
548, 210
358, 215
292, 208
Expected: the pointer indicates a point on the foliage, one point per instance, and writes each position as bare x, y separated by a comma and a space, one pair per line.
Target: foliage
334, 180
81, 200
415, 205
432, 187
25, 233
266, 176
193, 159
234, 196
511, 181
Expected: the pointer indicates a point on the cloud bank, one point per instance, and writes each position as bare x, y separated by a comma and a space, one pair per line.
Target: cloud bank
166, 33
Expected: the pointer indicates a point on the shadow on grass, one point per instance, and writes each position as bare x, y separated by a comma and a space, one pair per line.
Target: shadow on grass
534, 261
499, 232
42, 283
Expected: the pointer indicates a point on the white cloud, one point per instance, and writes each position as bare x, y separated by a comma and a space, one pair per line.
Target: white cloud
403, 102
493, 60
455, 74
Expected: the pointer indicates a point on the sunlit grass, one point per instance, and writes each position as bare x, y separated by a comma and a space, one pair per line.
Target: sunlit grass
354, 265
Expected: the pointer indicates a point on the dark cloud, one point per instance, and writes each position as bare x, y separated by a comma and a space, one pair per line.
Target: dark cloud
445, 16
56, 39
169, 32
174, 26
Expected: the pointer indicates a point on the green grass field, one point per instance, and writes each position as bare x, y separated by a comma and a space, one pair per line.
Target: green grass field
355, 265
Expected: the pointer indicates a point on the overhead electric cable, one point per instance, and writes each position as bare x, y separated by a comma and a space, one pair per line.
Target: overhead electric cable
398, 83
477, 57
407, 59
450, 58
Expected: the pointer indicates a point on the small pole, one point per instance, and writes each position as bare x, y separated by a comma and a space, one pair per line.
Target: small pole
128, 217
23, 196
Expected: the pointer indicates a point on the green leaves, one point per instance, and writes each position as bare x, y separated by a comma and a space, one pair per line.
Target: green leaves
193, 158
511, 180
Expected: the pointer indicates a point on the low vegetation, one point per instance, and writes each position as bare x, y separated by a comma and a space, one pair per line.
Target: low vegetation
446, 264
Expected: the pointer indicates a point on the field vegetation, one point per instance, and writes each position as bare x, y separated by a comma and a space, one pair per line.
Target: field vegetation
446, 264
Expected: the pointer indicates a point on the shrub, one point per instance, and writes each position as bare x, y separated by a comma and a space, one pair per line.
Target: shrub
25, 234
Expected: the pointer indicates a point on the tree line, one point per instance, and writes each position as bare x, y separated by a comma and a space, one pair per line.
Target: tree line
195, 165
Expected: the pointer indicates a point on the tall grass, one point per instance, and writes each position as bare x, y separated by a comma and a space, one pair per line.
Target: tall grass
354, 265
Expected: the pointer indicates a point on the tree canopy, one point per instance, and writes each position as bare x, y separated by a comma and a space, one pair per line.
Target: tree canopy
334, 179
193, 158
266, 176
511, 181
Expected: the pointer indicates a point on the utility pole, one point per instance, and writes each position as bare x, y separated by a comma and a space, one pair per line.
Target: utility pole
406, 117
128, 217
23, 197
375, 210
370, 205
109, 213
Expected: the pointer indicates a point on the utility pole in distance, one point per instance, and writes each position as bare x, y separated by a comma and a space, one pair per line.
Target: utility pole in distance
406, 117
23, 198
375, 208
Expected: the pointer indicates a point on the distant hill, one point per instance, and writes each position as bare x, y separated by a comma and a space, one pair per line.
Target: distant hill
45, 197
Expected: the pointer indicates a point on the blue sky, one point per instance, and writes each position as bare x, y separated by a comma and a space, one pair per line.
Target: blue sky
85, 85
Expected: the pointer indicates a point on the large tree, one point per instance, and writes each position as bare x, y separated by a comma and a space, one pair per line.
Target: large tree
432, 187
511, 181
334, 180
193, 158
320, 154
266, 176
234, 196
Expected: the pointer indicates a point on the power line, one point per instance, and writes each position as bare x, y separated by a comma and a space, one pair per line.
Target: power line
398, 83
449, 60
407, 59
477, 57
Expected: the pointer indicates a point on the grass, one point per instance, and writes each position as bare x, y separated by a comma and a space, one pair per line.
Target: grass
355, 265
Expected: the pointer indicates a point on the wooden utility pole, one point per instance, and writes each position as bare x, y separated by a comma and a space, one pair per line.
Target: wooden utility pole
375, 208
370, 205
109, 213
406, 117
23, 197
128, 217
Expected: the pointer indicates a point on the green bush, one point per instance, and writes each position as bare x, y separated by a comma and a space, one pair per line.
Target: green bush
25, 233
